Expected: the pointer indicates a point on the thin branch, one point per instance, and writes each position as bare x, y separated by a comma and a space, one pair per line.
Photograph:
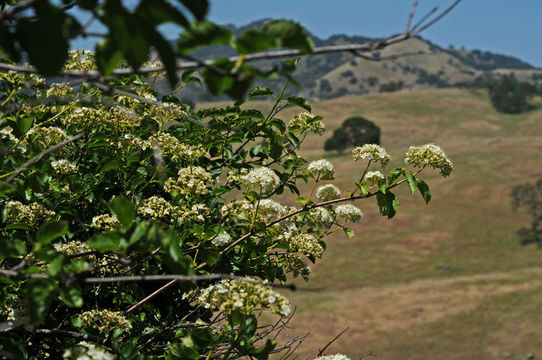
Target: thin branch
438, 17
43, 153
424, 18
394, 56
411, 16
65, 333
332, 341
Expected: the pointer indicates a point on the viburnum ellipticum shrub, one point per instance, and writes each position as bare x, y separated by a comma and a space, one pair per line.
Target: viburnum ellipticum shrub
138, 228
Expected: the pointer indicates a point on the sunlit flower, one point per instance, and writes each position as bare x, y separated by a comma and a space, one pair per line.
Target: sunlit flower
328, 192
321, 169
429, 155
350, 212
371, 152
262, 177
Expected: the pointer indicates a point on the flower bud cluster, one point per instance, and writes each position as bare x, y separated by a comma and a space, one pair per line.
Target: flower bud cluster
321, 169
245, 296
31, 214
374, 178
190, 181
166, 112
268, 209
319, 217
172, 147
307, 122
157, 208
77, 247
350, 212
328, 192
89, 117
286, 230
127, 141
105, 320
196, 213
105, 222
86, 351
429, 155
221, 239
307, 244
262, 177
238, 208
333, 357
59, 90
235, 176
296, 265
49, 136
82, 60
371, 152
64, 167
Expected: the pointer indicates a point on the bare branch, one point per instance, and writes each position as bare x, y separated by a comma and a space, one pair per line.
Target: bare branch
438, 17
394, 56
332, 341
65, 333
411, 16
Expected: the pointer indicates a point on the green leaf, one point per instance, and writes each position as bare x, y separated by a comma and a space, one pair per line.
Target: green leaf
424, 190
301, 102
203, 33
412, 182
124, 209
263, 352
291, 35
7, 44
105, 242
394, 175
198, 8
260, 91
294, 140
46, 39
71, 296
108, 56
51, 230
349, 232
383, 187
187, 77
387, 204
159, 12
39, 294
167, 55
253, 41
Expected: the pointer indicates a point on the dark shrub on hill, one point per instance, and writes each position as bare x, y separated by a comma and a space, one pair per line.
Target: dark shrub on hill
510, 96
529, 197
355, 131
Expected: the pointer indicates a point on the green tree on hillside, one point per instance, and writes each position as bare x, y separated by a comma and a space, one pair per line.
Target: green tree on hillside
355, 131
529, 197
507, 95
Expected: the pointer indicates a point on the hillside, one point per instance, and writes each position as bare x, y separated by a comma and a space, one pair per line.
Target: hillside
449, 279
333, 75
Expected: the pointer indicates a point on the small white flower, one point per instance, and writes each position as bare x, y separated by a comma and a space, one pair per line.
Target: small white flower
321, 169
262, 177
349, 212
221, 239
429, 155
328, 192
374, 178
371, 152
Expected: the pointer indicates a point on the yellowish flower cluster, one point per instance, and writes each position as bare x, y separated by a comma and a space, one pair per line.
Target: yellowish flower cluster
328, 192
318, 216
81, 60
19, 79
295, 264
105, 320
321, 169
221, 239
126, 142
172, 147
49, 136
77, 247
262, 178
59, 90
196, 213
374, 178
350, 212
90, 117
333, 357
268, 209
105, 222
14, 311
429, 155
238, 209
157, 208
190, 181
64, 167
166, 112
307, 122
286, 230
31, 214
235, 176
371, 152
306, 244
86, 351
246, 297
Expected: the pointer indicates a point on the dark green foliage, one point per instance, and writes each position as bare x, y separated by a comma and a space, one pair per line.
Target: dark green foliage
510, 96
391, 86
529, 197
355, 131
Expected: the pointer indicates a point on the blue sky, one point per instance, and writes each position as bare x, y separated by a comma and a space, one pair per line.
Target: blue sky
501, 26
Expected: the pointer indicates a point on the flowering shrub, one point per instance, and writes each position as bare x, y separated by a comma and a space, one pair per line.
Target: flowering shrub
119, 216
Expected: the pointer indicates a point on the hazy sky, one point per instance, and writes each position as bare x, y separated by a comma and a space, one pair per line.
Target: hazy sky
501, 26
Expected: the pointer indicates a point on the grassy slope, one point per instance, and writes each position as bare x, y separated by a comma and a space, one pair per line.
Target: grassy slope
444, 281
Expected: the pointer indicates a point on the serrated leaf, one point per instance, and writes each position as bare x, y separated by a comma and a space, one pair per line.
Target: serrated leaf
260, 91
394, 175
124, 209
412, 182
424, 190
387, 204
301, 102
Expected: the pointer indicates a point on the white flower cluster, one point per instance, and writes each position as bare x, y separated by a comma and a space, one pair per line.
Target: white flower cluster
286, 229
166, 112
49, 136
190, 181
105, 320
245, 296
172, 147
295, 264
195, 213
321, 169
86, 351
82, 60
156, 208
262, 177
236, 176
306, 244
268, 209
374, 178
307, 122
221, 239
238, 209
350, 212
371, 152
31, 214
64, 167
333, 357
77, 247
318, 216
429, 155
59, 90
328, 192
126, 142
105, 222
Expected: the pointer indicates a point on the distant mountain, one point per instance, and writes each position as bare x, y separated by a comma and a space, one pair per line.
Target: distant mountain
339, 74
